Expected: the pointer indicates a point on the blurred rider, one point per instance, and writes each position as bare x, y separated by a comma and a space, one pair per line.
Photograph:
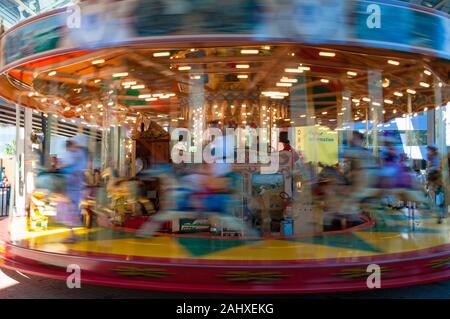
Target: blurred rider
360, 163
433, 169
434, 180
433, 164
74, 165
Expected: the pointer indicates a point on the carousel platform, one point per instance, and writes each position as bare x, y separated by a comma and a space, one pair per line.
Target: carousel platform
408, 252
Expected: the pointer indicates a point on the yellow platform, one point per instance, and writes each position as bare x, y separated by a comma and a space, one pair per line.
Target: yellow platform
397, 236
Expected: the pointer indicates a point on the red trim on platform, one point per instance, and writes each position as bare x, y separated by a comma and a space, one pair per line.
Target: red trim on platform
408, 256
201, 278
219, 276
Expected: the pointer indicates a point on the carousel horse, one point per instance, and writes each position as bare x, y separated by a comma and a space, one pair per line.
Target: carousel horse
329, 178
125, 195
393, 181
183, 197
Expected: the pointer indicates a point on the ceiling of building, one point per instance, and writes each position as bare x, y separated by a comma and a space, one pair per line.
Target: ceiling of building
14, 11
113, 86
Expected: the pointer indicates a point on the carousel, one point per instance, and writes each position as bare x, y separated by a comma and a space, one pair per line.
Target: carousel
272, 213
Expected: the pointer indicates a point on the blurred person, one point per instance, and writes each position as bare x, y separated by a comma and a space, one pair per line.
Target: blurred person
360, 176
361, 166
74, 165
393, 174
287, 147
3, 176
54, 162
433, 169
204, 192
396, 183
97, 177
5, 181
433, 165
390, 165
434, 181
329, 191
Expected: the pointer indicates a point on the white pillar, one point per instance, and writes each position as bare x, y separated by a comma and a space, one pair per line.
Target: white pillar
375, 105
28, 155
19, 176
440, 134
24, 178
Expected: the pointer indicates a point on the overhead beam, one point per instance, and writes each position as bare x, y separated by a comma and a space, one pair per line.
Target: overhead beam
265, 70
81, 59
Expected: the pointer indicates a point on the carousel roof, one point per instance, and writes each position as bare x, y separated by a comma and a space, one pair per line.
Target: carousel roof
162, 82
